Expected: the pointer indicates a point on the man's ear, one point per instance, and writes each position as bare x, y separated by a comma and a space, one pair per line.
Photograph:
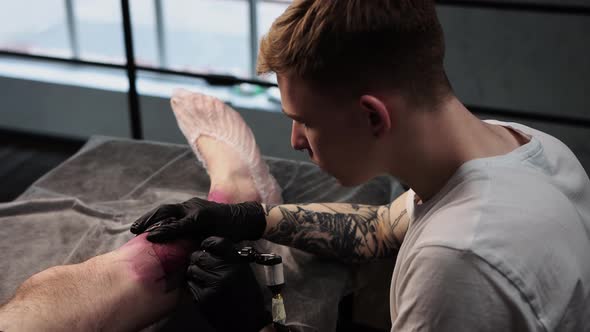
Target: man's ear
377, 115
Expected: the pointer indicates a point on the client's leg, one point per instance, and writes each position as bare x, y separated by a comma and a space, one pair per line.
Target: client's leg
138, 283
122, 290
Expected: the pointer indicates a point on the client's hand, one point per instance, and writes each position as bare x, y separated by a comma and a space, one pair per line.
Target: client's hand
198, 218
225, 288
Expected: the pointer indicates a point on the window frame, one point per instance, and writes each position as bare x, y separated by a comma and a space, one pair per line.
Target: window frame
228, 80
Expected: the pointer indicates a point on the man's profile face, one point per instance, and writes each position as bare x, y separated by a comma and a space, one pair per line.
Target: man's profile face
330, 129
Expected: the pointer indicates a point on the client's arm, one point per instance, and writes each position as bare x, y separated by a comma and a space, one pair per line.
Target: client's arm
123, 290
346, 231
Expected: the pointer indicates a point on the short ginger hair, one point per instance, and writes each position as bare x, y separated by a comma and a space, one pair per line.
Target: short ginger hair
362, 43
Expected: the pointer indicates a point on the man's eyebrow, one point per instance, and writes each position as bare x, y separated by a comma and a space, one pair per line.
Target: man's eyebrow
292, 116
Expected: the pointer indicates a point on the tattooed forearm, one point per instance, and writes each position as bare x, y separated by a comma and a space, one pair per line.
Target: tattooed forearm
350, 232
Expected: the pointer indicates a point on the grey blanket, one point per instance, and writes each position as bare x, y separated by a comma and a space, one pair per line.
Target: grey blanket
85, 206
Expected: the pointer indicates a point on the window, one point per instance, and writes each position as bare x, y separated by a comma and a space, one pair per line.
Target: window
99, 30
145, 29
179, 37
200, 36
36, 27
207, 36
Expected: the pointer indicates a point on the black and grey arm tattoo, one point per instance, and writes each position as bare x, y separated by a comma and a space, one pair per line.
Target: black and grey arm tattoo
350, 232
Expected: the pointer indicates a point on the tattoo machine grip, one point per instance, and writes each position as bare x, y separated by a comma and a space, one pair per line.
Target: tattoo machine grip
272, 264
274, 278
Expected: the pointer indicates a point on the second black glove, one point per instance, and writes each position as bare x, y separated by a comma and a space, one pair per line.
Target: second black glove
225, 289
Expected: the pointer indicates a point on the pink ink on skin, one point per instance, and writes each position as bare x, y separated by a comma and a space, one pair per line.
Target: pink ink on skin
218, 196
155, 262
172, 258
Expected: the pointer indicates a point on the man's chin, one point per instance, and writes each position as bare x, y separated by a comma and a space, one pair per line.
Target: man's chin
354, 179
345, 180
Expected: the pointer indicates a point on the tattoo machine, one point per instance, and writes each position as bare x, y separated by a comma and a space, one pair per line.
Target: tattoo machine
273, 273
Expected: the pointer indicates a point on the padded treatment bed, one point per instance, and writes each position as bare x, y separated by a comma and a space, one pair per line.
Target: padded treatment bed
85, 206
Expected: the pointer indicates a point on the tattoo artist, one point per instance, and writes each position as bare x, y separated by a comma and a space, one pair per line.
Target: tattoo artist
500, 212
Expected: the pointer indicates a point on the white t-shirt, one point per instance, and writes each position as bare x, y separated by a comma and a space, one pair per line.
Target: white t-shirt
503, 246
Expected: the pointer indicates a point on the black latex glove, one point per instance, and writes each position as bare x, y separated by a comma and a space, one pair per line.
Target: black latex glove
198, 218
225, 289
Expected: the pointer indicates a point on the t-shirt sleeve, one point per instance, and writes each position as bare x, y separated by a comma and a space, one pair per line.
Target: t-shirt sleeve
452, 290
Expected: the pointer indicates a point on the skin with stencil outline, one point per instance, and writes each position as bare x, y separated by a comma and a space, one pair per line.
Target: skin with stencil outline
171, 257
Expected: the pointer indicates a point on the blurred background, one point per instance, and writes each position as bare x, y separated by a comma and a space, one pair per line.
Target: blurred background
208, 36
69, 70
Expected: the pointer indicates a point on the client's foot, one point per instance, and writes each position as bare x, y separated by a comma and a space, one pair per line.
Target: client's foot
226, 146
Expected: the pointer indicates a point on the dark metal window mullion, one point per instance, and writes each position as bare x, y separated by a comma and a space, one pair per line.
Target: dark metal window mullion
253, 11
160, 34
134, 112
72, 28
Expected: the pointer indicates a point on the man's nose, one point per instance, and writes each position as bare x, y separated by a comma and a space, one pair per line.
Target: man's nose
298, 139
